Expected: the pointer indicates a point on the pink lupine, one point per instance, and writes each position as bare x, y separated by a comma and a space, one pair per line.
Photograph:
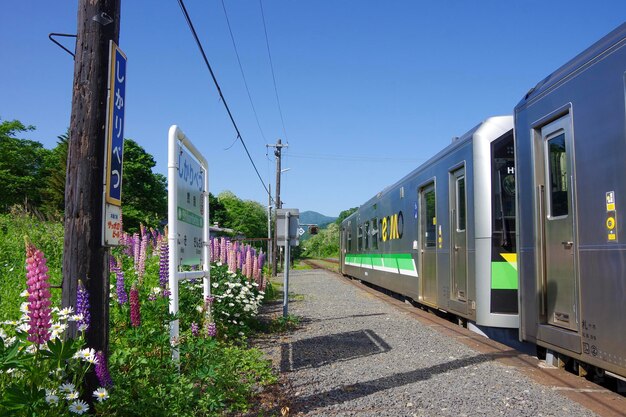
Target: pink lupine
135, 312
223, 253
255, 268
136, 249
248, 267
232, 261
39, 295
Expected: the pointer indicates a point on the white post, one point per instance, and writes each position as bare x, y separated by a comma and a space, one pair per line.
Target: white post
286, 272
172, 196
175, 275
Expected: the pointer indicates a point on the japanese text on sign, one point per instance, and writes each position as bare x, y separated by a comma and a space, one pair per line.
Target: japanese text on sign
115, 128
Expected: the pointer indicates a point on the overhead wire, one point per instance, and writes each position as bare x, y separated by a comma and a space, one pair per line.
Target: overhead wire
354, 158
245, 82
219, 90
267, 43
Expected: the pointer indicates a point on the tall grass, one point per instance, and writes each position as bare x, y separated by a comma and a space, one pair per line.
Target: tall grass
47, 236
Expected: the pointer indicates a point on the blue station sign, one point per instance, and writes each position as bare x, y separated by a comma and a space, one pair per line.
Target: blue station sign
115, 126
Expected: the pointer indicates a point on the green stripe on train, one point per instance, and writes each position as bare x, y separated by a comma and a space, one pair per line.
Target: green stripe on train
403, 261
503, 276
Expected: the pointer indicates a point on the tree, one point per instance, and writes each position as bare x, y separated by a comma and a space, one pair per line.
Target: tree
217, 211
344, 214
22, 167
144, 193
245, 216
56, 169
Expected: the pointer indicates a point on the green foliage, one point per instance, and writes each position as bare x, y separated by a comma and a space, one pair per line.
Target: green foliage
244, 216
325, 244
144, 193
41, 380
56, 169
344, 214
22, 166
47, 236
217, 211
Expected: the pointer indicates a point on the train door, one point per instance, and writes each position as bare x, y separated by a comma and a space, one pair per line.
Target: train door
458, 284
428, 243
559, 286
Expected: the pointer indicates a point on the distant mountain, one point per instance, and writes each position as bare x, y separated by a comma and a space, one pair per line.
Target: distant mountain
313, 217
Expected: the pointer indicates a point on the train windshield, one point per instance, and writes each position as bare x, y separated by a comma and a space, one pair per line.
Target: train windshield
503, 192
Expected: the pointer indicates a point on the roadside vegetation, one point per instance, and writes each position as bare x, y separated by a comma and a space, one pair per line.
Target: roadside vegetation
326, 243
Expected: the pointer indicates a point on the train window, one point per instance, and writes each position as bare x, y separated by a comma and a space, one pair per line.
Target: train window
366, 235
557, 164
460, 203
503, 192
349, 245
359, 237
374, 233
431, 219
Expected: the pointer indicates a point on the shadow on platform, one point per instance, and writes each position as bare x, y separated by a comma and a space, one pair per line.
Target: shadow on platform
323, 350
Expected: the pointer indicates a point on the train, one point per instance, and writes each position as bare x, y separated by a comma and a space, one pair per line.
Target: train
516, 225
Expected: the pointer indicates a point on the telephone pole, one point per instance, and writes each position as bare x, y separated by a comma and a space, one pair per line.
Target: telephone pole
277, 152
84, 257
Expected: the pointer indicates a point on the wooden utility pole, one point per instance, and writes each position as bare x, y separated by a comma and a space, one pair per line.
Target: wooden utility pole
277, 152
84, 257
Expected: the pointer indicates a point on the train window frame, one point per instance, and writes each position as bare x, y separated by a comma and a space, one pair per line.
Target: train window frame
366, 235
461, 203
563, 181
359, 238
374, 233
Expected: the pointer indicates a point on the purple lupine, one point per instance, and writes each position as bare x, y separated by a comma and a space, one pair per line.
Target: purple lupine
164, 264
122, 296
211, 329
239, 260
102, 370
195, 329
140, 267
82, 307
213, 249
39, 295
136, 249
135, 313
223, 253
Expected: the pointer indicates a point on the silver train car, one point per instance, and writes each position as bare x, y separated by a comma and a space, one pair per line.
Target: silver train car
445, 234
571, 169
516, 224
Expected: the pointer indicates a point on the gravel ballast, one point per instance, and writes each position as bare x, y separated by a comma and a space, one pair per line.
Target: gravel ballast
355, 355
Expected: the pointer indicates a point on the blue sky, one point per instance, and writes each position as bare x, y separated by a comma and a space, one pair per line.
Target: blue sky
368, 89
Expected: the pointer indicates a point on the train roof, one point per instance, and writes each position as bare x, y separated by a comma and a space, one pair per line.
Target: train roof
457, 142
576, 64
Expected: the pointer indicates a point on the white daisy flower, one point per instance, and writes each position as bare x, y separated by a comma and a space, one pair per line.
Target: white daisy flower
79, 407
67, 388
24, 308
24, 293
101, 394
52, 397
71, 395
215, 285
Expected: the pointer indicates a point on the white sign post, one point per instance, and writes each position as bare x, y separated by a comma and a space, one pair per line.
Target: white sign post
188, 219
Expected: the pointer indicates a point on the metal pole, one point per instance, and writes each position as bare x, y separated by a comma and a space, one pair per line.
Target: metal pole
286, 272
270, 254
277, 153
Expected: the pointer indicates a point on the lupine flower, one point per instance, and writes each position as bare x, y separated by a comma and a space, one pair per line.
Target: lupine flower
164, 260
136, 249
232, 261
211, 329
223, 252
82, 306
135, 315
102, 370
140, 267
195, 329
39, 295
122, 296
212, 249
255, 268
248, 267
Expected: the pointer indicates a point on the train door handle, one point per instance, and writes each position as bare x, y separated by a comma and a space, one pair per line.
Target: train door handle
456, 248
567, 244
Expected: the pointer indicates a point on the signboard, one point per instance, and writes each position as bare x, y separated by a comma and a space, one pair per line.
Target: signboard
114, 148
190, 207
115, 126
281, 225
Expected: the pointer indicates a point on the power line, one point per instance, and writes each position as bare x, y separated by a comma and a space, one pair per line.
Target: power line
219, 90
267, 43
355, 158
256, 116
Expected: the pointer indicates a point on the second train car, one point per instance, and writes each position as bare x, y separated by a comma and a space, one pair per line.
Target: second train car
444, 235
